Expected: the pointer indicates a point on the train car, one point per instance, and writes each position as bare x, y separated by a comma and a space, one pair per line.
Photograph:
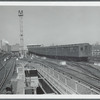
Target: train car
74, 52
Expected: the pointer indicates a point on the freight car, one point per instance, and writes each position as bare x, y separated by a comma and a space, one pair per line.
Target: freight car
73, 52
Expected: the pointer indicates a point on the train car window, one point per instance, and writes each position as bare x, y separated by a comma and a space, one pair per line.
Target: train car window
71, 49
85, 47
81, 48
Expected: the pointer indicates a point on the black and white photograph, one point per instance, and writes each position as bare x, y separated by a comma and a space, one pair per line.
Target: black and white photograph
49, 49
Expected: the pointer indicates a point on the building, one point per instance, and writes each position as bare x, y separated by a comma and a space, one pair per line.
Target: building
95, 53
6, 48
15, 49
96, 50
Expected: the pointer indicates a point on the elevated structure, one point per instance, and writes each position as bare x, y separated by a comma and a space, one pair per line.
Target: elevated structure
20, 14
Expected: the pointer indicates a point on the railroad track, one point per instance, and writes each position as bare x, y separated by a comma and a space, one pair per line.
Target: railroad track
82, 67
3, 65
2, 69
6, 75
77, 67
90, 81
87, 68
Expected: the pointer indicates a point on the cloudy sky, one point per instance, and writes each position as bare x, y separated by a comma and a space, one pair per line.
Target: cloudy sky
51, 24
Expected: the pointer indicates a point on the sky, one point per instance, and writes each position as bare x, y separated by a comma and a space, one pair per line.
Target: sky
47, 25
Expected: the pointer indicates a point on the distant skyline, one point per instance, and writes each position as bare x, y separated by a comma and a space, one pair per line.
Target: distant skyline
49, 25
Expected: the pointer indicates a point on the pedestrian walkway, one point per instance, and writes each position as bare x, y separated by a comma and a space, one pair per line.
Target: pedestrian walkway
21, 79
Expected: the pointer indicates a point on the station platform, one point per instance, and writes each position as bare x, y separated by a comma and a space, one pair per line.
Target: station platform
20, 79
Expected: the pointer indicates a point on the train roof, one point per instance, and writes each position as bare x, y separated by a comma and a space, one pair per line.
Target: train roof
71, 45
31, 45
38, 46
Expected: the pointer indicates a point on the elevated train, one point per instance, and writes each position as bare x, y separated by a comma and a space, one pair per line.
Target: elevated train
73, 52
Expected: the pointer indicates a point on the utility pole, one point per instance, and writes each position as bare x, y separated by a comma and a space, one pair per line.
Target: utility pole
20, 14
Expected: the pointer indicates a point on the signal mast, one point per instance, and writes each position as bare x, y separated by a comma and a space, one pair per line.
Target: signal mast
20, 14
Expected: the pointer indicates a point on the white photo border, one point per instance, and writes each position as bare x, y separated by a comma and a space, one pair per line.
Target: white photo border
49, 3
